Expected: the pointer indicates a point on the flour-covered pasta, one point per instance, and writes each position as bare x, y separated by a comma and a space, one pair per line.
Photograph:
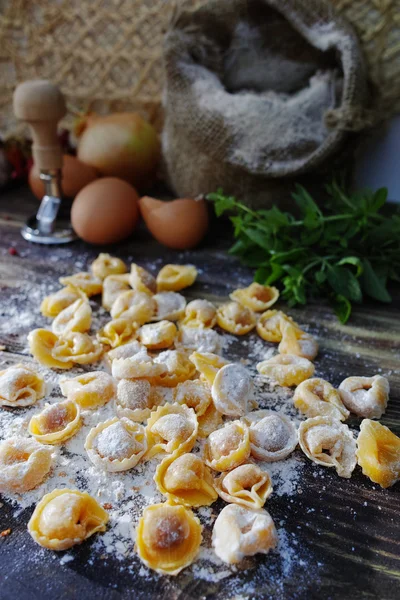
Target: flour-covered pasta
236, 318
298, 342
20, 386
141, 280
117, 332
173, 278
365, 396
378, 453
87, 282
200, 339
168, 305
256, 297
89, 390
228, 447
133, 305
24, 463
56, 423
171, 428
271, 323
286, 369
246, 485
53, 304
158, 336
200, 313
273, 436
76, 317
208, 364
232, 390
113, 286
136, 398
316, 397
105, 265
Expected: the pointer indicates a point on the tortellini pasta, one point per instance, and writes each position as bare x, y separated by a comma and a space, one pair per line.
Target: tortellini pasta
185, 480
271, 323
316, 397
208, 364
298, 342
286, 369
87, 282
53, 304
203, 340
168, 538
179, 368
141, 280
158, 336
231, 390
256, 297
365, 396
116, 445
61, 352
65, 518
24, 463
42, 345
240, 532
168, 305
209, 421
236, 318
246, 485
195, 394
105, 265
138, 366
113, 286
117, 332
273, 436
173, 278
200, 313
378, 453
20, 386
172, 428
136, 398
76, 317
137, 306
56, 423
328, 442
89, 390
228, 447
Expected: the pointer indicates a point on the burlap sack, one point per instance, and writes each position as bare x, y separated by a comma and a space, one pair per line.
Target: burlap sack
257, 94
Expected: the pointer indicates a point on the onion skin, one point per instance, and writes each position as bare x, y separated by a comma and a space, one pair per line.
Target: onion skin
120, 145
179, 224
75, 176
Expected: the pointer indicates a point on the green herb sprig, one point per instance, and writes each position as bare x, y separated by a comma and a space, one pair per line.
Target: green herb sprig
343, 251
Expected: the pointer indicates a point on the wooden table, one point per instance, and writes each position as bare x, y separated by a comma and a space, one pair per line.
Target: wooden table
349, 530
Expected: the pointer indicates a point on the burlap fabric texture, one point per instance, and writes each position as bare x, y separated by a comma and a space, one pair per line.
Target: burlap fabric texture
259, 94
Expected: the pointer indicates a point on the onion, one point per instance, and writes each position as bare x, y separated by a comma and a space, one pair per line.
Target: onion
120, 145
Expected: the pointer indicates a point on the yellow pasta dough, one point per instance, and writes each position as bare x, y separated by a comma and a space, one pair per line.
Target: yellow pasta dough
158, 336
316, 397
53, 304
113, 286
137, 306
65, 518
231, 390
286, 369
228, 447
168, 538
271, 323
173, 278
200, 313
185, 480
171, 428
116, 445
236, 318
56, 423
246, 485
89, 390
117, 332
168, 305
138, 366
76, 317
20, 386
77, 347
273, 436
136, 398
141, 280
24, 463
42, 344
378, 453
298, 342
256, 297
105, 265
87, 282
179, 368
200, 339
195, 394
365, 396
209, 421
207, 364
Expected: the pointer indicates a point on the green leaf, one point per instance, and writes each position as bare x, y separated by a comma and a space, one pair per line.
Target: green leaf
311, 212
342, 308
221, 203
257, 237
373, 285
352, 260
320, 277
276, 272
379, 199
261, 275
344, 283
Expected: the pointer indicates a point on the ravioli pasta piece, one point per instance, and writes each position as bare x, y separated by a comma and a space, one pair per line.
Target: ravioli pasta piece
65, 518
113, 286
142, 281
328, 442
378, 453
173, 278
56, 423
209, 421
207, 364
185, 480
24, 463
365, 396
136, 399
235, 318
138, 366
76, 317
202, 340
89, 390
42, 345
105, 265
298, 342
246, 485
171, 428
228, 447
286, 369
169, 305
116, 445
240, 532
316, 397
20, 386
168, 538
200, 313
53, 304
137, 306
256, 297
158, 336
75, 347
88, 283
179, 368
271, 323
231, 390
117, 332
195, 394
273, 436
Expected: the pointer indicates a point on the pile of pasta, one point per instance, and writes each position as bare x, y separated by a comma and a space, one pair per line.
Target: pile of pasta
211, 438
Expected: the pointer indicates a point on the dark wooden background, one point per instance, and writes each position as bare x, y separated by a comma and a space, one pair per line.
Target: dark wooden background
345, 533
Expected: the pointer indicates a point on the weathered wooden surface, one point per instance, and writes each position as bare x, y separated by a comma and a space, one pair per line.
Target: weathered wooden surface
349, 530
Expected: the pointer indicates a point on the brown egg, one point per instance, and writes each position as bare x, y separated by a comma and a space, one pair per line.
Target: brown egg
105, 211
178, 224
75, 175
